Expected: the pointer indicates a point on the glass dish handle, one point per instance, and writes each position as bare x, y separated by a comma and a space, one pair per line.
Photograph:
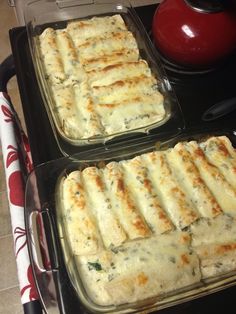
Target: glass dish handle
42, 243
43, 265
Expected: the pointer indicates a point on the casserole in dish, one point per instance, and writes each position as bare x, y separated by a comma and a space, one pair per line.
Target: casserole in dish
146, 227
98, 73
99, 84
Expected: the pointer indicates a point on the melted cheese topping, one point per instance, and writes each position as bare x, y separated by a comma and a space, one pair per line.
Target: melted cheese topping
141, 269
214, 241
154, 223
139, 182
175, 201
100, 54
83, 31
223, 191
220, 154
192, 182
109, 225
84, 237
123, 203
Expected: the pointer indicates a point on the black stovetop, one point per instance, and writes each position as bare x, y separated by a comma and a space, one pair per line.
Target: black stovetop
195, 93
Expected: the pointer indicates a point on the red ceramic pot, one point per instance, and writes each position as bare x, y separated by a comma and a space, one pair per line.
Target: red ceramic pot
195, 33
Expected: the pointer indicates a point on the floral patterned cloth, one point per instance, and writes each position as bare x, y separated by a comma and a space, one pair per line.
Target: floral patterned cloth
17, 164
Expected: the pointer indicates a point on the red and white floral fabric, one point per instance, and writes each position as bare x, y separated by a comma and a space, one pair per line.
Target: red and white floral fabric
17, 163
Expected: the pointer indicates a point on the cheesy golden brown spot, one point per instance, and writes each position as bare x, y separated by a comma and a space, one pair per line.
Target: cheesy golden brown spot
142, 279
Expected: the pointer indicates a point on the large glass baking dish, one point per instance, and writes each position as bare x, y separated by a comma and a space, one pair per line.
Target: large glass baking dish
52, 259
42, 14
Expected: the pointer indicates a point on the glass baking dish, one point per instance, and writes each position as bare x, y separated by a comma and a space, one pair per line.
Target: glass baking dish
51, 254
40, 15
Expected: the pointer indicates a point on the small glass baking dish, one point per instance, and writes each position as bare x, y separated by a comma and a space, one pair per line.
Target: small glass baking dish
40, 15
52, 259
